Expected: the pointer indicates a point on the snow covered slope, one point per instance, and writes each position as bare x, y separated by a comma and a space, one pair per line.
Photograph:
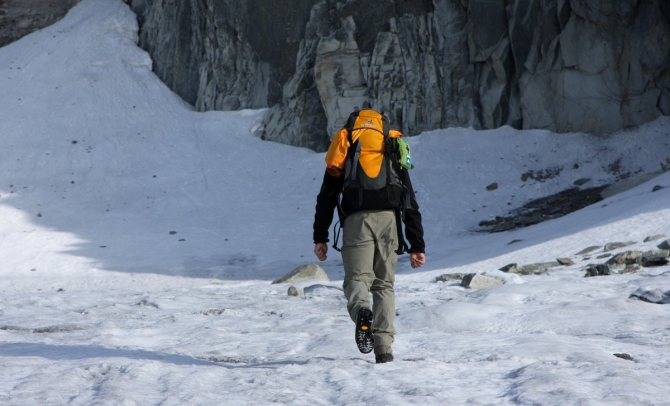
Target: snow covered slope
139, 240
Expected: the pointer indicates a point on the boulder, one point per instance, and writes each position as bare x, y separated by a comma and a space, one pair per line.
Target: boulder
625, 356
616, 245
596, 270
665, 245
509, 268
293, 291
652, 296
589, 249
634, 268
477, 281
303, 273
654, 238
537, 268
450, 277
624, 258
653, 258
565, 261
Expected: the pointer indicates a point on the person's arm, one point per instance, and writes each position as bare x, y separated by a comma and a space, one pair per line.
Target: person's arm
413, 225
326, 202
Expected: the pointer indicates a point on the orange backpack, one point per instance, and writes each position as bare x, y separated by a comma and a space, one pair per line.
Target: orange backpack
362, 152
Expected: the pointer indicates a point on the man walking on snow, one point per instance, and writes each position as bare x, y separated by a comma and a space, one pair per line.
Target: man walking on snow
372, 193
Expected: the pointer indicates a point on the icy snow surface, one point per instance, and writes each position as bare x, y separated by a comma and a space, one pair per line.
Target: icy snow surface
140, 239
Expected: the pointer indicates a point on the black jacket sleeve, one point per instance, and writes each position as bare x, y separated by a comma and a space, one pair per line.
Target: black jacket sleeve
412, 220
326, 202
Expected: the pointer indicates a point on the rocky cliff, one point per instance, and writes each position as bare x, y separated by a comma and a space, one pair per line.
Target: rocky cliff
21, 17
563, 65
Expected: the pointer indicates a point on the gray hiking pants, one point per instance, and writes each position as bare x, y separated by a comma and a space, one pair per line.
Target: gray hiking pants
370, 239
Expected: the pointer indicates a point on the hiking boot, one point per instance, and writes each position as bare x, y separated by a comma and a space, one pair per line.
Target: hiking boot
383, 354
365, 339
383, 358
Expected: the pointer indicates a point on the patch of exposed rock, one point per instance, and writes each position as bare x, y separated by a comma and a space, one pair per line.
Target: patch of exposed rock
21, 17
543, 209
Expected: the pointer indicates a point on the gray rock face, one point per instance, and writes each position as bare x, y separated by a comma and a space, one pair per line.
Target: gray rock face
581, 65
21, 17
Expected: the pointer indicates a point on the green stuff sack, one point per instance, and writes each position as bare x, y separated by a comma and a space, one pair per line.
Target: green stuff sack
403, 155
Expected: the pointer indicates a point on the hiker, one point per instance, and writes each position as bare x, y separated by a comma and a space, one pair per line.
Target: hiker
367, 180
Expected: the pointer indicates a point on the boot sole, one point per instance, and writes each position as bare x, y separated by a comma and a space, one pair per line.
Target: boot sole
365, 339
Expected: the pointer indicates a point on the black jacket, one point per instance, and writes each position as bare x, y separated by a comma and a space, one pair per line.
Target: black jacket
326, 202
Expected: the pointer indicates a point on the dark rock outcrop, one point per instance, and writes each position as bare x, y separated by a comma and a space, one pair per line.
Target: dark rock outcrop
21, 17
546, 208
580, 65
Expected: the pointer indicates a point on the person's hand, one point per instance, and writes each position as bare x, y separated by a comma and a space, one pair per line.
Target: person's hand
417, 259
321, 249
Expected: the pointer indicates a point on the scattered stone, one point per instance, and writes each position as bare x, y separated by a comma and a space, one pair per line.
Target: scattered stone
589, 249
293, 291
653, 258
634, 268
537, 269
603, 256
624, 258
616, 245
656, 188
173, 232
512, 268
651, 296
492, 186
625, 356
542, 175
212, 312
581, 181
665, 245
450, 277
514, 242
303, 273
654, 238
565, 261
598, 270
477, 281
